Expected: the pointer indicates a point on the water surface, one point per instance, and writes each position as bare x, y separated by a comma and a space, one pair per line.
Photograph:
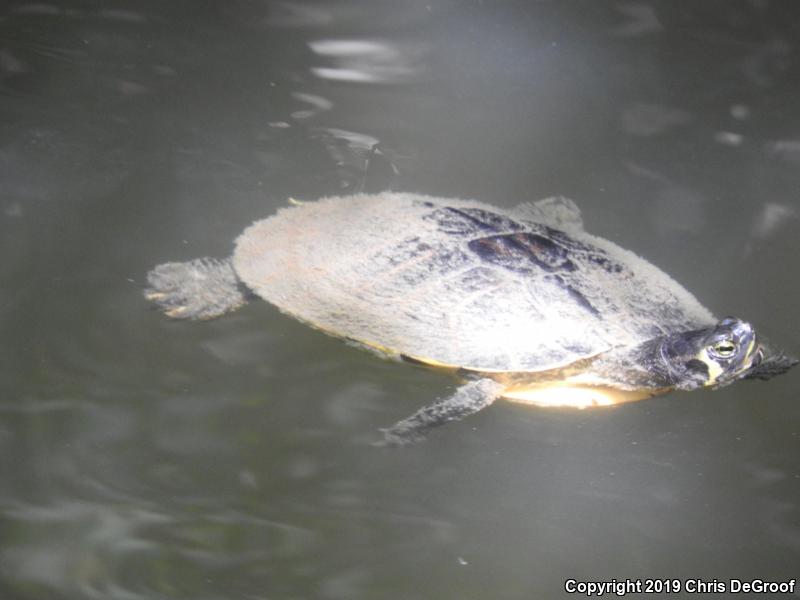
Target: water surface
144, 458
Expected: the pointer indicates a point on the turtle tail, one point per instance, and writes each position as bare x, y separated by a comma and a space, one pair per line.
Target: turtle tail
200, 289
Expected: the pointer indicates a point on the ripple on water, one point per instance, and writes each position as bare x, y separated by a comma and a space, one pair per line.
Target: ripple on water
131, 550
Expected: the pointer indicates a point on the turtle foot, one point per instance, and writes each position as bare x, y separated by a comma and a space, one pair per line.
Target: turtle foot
200, 289
467, 400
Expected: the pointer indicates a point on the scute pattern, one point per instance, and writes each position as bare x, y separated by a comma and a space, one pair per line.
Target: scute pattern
460, 282
469, 221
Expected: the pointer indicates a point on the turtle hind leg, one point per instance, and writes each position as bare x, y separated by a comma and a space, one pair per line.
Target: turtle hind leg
200, 289
467, 400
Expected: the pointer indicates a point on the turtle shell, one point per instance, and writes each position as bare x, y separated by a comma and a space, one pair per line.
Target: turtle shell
459, 282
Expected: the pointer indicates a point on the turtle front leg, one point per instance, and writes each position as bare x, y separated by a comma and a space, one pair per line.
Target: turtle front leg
201, 289
467, 400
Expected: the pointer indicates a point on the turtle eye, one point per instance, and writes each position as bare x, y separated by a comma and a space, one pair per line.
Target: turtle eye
723, 349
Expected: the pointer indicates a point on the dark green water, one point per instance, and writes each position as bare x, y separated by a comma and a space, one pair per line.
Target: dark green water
147, 459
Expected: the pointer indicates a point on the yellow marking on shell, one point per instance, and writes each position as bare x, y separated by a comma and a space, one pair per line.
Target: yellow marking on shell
576, 396
374, 346
500, 375
430, 362
296, 202
382, 349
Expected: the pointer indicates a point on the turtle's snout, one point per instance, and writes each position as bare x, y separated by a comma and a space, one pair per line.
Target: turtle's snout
769, 362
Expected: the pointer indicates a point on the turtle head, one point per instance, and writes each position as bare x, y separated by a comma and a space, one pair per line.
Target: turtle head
717, 356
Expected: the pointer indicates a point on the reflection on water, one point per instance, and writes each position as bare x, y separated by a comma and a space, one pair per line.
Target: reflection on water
142, 458
366, 61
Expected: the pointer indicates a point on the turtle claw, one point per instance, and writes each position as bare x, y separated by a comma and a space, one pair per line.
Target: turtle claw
176, 313
395, 439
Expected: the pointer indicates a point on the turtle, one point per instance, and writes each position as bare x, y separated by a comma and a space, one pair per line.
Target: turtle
520, 303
